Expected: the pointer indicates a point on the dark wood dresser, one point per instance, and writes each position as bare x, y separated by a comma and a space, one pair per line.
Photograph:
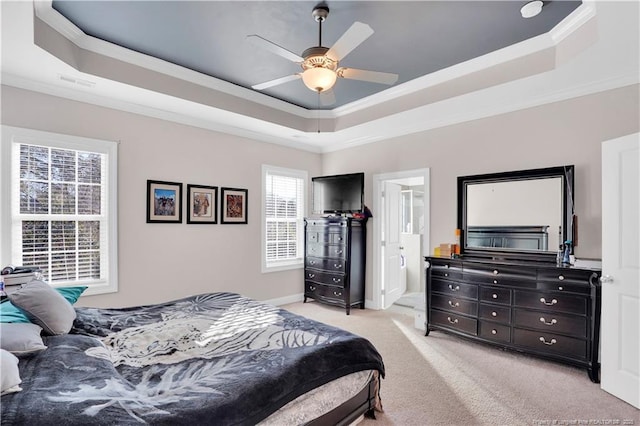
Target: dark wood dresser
533, 307
334, 261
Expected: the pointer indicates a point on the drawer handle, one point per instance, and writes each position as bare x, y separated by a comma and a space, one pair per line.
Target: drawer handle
337, 265
495, 296
337, 293
339, 252
553, 301
312, 262
552, 342
495, 272
311, 275
544, 321
446, 275
495, 281
494, 314
336, 280
494, 331
452, 288
561, 277
560, 288
454, 305
452, 321
312, 288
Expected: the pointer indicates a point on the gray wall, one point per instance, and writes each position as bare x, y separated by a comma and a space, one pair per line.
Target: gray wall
567, 132
158, 262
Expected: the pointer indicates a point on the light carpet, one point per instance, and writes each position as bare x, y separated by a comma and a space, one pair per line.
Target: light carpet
445, 380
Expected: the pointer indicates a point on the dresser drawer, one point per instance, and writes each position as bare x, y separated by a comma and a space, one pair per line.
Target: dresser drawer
496, 313
456, 289
333, 279
500, 275
550, 343
333, 265
325, 250
454, 304
495, 332
562, 279
552, 322
444, 268
495, 295
551, 302
455, 322
314, 290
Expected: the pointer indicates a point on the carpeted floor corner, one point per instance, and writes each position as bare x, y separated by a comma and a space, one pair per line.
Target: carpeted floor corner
445, 380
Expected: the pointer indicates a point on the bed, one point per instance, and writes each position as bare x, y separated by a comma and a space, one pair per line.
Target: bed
217, 358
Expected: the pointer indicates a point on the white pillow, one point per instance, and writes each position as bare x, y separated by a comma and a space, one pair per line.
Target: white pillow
21, 338
45, 306
9, 374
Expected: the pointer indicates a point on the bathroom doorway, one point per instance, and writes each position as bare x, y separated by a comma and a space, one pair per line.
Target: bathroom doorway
400, 237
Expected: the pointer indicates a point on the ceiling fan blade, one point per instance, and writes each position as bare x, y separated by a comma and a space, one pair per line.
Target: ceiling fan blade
356, 34
274, 48
372, 76
275, 82
327, 98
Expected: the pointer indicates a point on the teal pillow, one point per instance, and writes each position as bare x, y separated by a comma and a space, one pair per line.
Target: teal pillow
10, 313
71, 293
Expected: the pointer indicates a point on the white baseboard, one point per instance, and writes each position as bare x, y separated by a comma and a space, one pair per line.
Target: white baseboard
286, 300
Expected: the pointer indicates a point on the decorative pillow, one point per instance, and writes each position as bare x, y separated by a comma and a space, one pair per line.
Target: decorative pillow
9, 313
21, 339
9, 373
72, 294
45, 306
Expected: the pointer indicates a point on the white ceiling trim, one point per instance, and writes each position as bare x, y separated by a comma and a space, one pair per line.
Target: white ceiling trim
45, 11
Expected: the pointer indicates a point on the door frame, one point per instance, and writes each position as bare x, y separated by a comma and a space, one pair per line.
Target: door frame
376, 302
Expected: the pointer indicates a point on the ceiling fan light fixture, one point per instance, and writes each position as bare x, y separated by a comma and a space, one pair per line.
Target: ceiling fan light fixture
319, 71
319, 79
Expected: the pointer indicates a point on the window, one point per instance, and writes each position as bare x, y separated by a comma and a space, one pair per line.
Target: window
283, 207
59, 207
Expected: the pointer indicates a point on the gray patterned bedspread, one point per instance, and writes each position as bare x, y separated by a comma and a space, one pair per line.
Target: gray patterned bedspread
216, 358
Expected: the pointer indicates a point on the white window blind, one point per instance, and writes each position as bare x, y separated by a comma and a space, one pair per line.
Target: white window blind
62, 214
283, 211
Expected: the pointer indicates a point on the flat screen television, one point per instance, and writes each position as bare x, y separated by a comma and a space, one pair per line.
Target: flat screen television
338, 194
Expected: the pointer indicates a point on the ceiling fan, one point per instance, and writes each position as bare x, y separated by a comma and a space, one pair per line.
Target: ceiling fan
320, 65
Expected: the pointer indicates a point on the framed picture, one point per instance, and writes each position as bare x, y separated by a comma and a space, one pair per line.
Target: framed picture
233, 205
202, 204
164, 202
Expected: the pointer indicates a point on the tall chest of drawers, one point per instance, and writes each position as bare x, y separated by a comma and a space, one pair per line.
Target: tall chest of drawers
536, 308
335, 261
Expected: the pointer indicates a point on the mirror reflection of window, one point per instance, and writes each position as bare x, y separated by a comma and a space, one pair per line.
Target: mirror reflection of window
498, 207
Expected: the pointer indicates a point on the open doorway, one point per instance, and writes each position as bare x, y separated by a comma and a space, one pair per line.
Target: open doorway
400, 237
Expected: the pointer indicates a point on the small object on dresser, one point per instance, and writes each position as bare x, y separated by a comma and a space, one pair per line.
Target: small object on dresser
445, 250
566, 259
560, 255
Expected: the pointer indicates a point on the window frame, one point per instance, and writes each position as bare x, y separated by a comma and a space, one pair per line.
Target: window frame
12, 137
297, 263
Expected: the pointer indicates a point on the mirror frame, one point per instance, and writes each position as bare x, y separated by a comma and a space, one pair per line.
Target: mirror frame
568, 202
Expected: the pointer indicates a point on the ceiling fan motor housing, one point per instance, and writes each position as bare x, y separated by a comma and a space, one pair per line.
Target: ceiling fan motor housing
314, 57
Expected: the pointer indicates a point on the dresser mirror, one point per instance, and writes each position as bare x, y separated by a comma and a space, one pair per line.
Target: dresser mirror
524, 214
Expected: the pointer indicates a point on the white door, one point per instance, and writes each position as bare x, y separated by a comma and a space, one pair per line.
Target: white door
620, 326
392, 282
